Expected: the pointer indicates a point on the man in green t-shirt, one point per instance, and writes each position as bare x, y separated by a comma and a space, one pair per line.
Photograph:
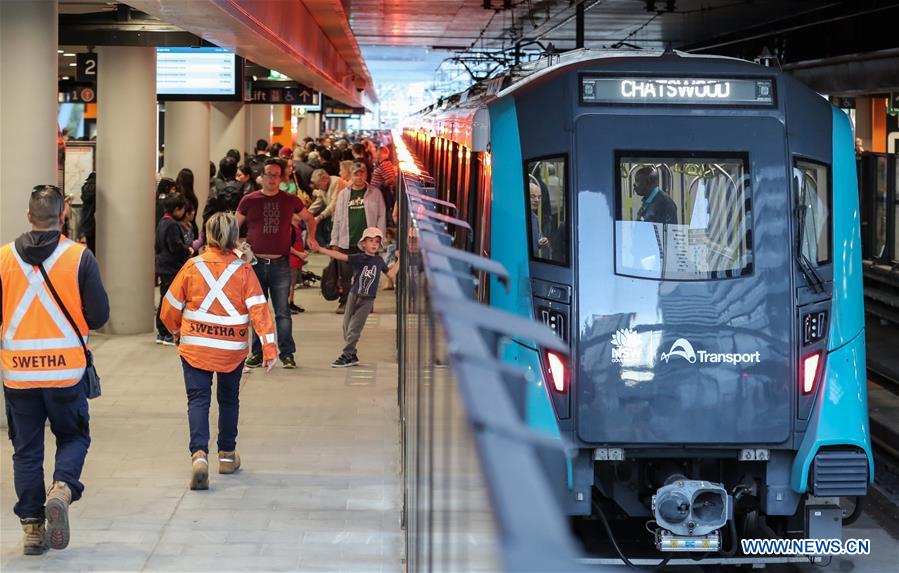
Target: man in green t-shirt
357, 207
356, 213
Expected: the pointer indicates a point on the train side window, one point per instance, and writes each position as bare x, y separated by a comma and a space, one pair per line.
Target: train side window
812, 188
683, 217
546, 196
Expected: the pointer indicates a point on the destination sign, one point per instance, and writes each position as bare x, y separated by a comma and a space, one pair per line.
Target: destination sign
677, 91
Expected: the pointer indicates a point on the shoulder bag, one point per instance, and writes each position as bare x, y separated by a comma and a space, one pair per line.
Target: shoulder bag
90, 373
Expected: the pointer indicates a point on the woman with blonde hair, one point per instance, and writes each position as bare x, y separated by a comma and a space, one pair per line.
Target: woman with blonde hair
209, 308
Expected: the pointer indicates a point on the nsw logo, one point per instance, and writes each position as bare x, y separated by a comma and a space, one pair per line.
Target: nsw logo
626, 345
682, 348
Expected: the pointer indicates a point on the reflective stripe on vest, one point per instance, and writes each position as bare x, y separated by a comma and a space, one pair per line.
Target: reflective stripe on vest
202, 314
214, 343
61, 361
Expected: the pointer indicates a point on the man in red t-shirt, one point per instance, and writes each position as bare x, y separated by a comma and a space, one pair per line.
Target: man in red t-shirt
267, 214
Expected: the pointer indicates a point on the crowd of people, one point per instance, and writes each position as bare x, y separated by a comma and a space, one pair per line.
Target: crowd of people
217, 280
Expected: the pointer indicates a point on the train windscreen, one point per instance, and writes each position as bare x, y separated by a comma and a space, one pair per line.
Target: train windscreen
683, 218
810, 181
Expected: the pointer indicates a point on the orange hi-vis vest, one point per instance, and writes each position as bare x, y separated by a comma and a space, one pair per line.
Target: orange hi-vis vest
210, 305
38, 347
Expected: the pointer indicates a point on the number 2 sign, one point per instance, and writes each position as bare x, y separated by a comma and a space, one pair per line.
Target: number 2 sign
86, 69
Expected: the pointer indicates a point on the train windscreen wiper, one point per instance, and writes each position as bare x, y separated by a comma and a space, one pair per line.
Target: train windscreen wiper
811, 275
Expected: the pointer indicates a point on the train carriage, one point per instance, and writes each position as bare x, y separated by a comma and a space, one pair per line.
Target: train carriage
690, 227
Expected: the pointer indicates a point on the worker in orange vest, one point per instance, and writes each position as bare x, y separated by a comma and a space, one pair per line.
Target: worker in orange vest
44, 362
208, 309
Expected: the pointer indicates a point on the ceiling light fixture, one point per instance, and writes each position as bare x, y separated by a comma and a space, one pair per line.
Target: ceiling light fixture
72, 65
69, 55
58, 51
64, 78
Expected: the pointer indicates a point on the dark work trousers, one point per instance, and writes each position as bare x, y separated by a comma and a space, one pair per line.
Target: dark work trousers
345, 274
274, 277
26, 412
164, 283
357, 310
199, 396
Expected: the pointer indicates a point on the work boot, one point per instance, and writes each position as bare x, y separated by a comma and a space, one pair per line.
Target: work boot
57, 512
229, 462
35, 541
200, 466
253, 361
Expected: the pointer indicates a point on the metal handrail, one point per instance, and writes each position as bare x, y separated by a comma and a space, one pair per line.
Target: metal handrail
532, 532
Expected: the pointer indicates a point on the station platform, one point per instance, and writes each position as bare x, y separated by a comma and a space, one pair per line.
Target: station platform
319, 488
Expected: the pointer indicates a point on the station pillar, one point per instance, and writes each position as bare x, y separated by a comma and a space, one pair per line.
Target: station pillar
228, 129
308, 126
259, 124
187, 130
126, 184
28, 107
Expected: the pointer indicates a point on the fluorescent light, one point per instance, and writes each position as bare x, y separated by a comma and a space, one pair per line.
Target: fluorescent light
72, 65
69, 55
58, 51
64, 78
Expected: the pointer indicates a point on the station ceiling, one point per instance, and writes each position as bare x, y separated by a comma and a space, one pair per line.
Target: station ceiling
318, 41
497, 23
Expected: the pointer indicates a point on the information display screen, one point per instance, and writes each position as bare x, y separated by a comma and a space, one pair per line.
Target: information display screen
677, 91
197, 74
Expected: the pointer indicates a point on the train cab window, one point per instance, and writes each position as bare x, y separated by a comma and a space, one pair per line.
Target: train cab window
810, 182
547, 201
683, 218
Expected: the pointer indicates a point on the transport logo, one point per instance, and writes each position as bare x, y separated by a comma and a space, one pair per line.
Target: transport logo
626, 345
682, 348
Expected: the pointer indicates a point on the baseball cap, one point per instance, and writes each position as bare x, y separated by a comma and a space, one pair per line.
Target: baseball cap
369, 233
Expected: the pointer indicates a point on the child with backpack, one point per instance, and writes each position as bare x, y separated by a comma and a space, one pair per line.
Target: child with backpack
172, 251
367, 268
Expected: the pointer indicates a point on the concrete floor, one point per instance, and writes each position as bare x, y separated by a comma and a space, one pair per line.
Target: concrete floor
320, 484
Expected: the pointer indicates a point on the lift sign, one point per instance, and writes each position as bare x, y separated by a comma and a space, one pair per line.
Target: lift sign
677, 91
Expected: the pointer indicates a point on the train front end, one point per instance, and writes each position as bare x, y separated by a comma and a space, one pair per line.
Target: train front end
691, 229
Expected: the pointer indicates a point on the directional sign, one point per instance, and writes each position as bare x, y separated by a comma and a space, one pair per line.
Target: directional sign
337, 109
282, 92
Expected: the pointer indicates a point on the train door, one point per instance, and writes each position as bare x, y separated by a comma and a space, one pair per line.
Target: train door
684, 304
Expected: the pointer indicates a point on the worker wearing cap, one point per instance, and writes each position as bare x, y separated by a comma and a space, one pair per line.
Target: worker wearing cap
44, 359
357, 208
209, 308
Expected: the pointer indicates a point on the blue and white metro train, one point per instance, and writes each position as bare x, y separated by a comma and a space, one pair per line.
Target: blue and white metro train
689, 225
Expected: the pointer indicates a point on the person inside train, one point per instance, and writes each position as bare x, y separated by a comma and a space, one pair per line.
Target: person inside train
540, 242
657, 206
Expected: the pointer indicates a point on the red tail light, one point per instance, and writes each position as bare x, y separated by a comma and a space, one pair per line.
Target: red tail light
557, 370
810, 372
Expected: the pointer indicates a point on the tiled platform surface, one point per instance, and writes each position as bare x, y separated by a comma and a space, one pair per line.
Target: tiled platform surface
320, 484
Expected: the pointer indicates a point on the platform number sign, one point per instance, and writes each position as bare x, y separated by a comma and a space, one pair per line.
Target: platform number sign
86, 67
